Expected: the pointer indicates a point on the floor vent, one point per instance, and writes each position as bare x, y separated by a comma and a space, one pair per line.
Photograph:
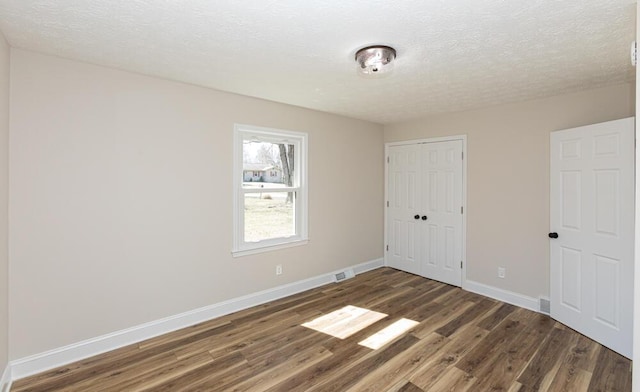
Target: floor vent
343, 275
545, 305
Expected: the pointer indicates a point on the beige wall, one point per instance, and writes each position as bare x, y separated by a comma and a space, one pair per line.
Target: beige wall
508, 178
4, 194
121, 199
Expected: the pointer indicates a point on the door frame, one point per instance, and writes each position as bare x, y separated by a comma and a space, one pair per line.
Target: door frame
462, 138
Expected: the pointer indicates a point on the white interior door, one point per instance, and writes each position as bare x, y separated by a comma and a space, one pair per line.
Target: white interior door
592, 213
424, 217
404, 204
441, 232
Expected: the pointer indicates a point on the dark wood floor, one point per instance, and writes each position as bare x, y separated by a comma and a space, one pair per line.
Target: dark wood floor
463, 342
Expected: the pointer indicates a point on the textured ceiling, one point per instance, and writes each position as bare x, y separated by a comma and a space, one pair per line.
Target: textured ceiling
452, 54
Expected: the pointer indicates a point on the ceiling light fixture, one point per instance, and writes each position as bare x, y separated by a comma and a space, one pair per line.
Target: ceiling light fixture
375, 60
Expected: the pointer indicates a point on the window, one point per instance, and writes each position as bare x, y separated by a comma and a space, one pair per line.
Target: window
270, 212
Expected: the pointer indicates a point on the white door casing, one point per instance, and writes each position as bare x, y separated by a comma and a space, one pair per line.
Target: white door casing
424, 228
592, 212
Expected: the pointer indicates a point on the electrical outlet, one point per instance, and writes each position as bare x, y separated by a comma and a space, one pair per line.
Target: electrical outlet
279, 269
502, 272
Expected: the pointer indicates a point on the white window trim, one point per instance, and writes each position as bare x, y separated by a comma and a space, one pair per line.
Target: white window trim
240, 247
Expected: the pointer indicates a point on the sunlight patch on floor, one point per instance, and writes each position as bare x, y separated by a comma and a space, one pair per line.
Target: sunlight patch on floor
344, 322
388, 334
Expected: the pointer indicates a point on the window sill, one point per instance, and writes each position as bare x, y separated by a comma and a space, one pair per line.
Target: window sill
269, 248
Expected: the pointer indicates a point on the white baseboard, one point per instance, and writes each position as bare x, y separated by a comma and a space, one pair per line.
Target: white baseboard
38, 363
5, 381
507, 296
368, 266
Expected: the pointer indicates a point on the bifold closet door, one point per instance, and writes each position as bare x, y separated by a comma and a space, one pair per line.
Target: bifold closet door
441, 193
424, 217
404, 204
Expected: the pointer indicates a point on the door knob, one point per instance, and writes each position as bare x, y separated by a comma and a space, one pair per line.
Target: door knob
553, 235
416, 217
424, 217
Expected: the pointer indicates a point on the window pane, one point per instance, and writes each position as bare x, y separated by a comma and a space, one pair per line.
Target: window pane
267, 164
268, 215
270, 189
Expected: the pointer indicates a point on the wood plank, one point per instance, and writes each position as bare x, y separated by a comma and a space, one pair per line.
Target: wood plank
462, 342
403, 364
612, 373
410, 387
537, 329
500, 374
275, 374
544, 362
496, 317
113, 361
480, 357
503, 366
570, 377
587, 352
438, 319
238, 337
219, 367
345, 322
327, 369
350, 374
158, 376
455, 380
470, 315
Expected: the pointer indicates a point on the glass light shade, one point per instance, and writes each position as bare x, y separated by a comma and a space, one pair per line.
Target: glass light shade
375, 60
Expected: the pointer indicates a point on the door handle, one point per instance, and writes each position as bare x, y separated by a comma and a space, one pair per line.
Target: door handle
416, 217
553, 235
424, 217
